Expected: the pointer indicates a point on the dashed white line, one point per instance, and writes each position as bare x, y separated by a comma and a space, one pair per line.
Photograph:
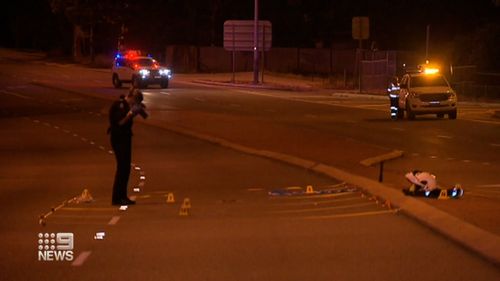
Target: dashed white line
466, 161
101, 147
114, 220
81, 258
433, 157
444, 137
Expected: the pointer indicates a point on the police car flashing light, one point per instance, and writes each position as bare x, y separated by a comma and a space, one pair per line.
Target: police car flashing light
141, 71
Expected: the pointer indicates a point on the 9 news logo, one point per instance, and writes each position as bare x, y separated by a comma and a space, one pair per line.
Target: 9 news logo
55, 246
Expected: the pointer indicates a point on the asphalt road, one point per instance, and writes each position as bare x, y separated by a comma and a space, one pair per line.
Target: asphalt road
54, 145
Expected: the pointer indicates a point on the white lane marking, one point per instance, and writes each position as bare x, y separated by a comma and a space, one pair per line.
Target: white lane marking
495, 144
101, 147
444, 137
165, 93
466, 161
84, 139
110, 151
92, 143
56, 127
66, 131
485, 163
36, 121
81, 258
15, 94
114, 220
450, 158
433, 157
488, 185
46, 124
75, 135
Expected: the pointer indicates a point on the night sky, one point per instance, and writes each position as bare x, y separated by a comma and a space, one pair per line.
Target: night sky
471, 25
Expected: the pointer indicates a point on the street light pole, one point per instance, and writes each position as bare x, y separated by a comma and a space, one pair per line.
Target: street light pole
427, 42
255, 43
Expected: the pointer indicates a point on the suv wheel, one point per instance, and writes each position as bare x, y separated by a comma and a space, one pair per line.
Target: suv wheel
164, 83
411, 115
136, 82
452, 114
116, 81
401, 113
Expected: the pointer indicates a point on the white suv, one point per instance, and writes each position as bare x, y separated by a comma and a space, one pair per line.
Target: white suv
141, 71
426, 93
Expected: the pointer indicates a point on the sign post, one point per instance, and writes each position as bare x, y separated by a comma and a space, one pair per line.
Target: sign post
360, 31
239, 36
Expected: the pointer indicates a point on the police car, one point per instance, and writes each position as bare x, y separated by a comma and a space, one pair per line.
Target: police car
426, 92
141, 71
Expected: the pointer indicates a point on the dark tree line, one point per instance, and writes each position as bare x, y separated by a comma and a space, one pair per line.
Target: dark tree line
469, 28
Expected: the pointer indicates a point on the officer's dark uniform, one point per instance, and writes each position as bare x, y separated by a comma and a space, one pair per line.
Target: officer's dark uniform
121, 142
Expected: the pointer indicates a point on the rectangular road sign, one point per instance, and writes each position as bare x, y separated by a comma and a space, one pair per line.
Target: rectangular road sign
360, 28
238, 35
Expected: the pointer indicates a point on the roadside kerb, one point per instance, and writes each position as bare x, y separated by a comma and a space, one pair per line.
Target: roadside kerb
472, 237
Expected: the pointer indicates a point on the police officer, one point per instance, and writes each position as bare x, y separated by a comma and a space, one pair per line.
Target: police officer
393, 92
121, 115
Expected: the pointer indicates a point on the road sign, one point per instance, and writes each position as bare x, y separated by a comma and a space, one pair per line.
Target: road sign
360, 28
238, 35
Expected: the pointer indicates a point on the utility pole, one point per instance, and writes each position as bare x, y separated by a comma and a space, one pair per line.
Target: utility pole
427, 43
255, 43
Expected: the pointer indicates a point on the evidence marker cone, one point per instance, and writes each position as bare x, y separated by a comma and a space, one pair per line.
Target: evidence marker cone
443, 195
309, 189
85, 197
187, 203
186, 206
170, 198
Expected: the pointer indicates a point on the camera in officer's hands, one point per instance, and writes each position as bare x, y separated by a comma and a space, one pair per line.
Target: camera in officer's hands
138, 107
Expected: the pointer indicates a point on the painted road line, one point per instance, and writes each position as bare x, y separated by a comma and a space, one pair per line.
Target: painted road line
466, 161
433, 157
81, 258
319, 202
361, 214
101, 147
15, 94
302, 197
114, 220
495, 144
444, 137
324, 208
96, 209
255, 189
488, 185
